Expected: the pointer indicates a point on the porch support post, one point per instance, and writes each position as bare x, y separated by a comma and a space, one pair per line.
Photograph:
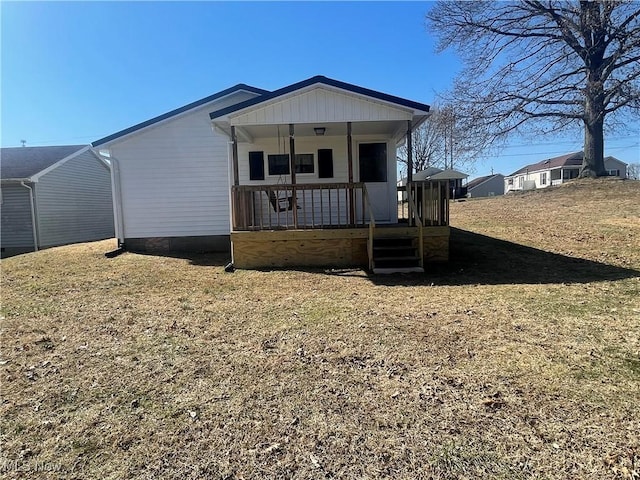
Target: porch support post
292, 167
409, 152
236, 180
352, 206
234, 141
410, 213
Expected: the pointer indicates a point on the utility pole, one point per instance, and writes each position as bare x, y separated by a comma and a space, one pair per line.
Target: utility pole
23, 142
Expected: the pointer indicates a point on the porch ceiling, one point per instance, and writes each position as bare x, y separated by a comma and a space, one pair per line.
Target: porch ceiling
388, 127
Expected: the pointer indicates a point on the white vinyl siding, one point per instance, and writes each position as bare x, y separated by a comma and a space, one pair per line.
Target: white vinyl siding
16, 227
175, 176
74, 202
320, 105
338, 145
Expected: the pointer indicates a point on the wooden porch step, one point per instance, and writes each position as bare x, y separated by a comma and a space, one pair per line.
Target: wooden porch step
396, 254
399, 262
388, 270
393, 252
380, 242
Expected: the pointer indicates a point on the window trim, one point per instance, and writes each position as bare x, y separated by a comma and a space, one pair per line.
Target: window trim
273, 155
313, 163
251, 176
387, 162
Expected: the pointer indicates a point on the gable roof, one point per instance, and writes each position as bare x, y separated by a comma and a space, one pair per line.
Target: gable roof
570, 159
236, 88
319, 79
25, 162
480, 180
449, 174
426, 173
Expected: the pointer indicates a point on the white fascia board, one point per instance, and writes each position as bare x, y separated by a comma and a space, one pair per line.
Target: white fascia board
103, 160
15, 180
401, 133
36, 177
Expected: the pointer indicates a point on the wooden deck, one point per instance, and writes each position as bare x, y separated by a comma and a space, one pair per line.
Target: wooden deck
345, 247
309, 225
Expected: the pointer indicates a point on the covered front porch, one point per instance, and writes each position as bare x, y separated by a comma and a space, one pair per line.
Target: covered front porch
314, 181
335, 225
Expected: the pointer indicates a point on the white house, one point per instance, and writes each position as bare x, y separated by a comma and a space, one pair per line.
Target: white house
555, 171
53, 196
304, 175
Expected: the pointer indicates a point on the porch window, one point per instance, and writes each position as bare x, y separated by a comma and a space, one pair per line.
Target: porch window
279, 164
304, 163
256, 165
570, 173
556, 174
325, 163
613, 173
372, 158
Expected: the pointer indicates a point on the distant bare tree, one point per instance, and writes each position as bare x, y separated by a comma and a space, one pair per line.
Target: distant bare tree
544, 65
633, 171
427, 144
444, 141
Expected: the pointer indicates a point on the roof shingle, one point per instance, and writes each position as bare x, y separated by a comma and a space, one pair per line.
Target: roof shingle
24, 162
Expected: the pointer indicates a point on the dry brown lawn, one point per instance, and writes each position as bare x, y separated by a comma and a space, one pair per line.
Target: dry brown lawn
518, 359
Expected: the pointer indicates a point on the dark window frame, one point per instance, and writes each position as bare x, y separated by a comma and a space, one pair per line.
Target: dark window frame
256, 165
325, 163
280, 168
298, 163
375, 174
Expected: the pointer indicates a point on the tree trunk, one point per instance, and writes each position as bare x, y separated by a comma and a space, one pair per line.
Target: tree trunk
593, 160
594, 107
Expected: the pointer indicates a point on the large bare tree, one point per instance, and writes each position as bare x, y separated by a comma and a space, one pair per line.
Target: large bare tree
545, 65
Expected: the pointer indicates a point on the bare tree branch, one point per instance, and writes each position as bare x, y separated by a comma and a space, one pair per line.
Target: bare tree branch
544, 65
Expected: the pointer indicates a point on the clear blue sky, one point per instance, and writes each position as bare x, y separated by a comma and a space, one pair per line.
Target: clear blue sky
73, 72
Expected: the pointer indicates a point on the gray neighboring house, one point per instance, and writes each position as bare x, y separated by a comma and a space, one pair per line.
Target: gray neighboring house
487, 186
53, 196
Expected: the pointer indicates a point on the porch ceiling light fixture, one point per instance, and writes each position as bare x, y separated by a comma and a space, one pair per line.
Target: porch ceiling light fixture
319, 131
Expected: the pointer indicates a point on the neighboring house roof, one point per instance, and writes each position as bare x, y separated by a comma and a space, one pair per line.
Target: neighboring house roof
480, 180
426, 173
319, 79
568, 160
178, 111
25, 162
448, 174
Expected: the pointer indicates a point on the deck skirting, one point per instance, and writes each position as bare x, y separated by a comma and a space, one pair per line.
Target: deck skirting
325, 248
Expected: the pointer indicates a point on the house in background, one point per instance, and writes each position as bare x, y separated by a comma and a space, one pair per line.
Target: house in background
456, 179
555, 171
53, 196
301, 176
487, 186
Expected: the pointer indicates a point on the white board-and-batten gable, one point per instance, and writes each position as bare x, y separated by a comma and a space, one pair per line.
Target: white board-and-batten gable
320, 104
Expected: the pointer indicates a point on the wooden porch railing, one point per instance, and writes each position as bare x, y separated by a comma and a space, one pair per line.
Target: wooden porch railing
299, 206
372, 226
430, 203
417, 221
